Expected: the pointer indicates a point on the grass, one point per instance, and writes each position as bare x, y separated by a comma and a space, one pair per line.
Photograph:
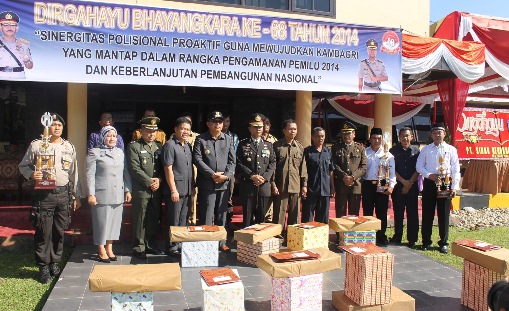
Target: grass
495, 235
19, 278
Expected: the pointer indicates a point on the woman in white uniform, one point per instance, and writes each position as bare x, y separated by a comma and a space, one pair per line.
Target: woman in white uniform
108, 184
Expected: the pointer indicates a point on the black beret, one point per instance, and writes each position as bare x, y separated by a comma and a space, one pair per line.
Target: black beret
56, 117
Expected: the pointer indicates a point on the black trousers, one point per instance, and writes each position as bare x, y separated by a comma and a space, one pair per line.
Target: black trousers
49, 235
408, 202
176, 215
443, 208
316, 207
377, 202
254, 209
212, 207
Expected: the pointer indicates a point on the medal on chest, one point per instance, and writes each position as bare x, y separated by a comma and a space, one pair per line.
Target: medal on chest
144, 161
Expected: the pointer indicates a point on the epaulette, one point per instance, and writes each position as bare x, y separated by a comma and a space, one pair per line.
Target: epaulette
379, 61
243, 140
299, 143
24, 41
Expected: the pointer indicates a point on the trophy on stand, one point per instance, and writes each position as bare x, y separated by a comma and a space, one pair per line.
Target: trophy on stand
45, 158
384, 168
443, 176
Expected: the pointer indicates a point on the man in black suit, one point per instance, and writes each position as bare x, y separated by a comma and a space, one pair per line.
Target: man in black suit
256, 163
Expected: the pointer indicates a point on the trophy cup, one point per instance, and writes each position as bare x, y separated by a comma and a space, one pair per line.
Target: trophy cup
384, 172
443, 177
45, 158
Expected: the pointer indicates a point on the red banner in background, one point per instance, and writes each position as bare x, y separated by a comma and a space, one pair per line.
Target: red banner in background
482, 133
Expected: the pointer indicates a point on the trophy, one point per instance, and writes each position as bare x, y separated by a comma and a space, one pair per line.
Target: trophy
45, 158
443, 176
384, 167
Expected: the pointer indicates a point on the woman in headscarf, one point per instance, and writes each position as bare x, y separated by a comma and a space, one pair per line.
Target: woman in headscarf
108, 184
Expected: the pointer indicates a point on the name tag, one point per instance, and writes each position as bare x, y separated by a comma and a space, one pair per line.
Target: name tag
144, 151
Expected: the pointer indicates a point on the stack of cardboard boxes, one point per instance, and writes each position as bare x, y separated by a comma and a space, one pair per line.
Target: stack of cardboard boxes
257, 240
199, 248
355, 229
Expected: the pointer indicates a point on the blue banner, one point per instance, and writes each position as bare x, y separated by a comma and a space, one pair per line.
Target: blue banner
91, 42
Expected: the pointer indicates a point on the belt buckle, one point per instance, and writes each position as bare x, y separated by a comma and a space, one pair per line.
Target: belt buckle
7, 69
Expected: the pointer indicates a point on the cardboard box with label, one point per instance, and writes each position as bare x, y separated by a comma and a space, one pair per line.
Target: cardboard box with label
248, 253
299, 293
200, 254
131, 286
355, 223
328, 261
400, 301
183, 234
257, 233
368, 275
352, 237
223, 297
476, 282
494, 260
302, 236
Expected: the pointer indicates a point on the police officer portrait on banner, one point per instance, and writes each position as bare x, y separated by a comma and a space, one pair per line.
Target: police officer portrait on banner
350, 162
256, 163
372, 71
15, 54
145, 167
51, 206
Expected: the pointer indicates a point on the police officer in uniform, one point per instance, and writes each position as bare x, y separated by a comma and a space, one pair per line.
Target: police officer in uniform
214, 158
350, 162
54, 204
256, 163
15, 53
145, 167
371, 70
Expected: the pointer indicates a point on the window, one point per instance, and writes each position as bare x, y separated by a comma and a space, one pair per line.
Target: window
316, 7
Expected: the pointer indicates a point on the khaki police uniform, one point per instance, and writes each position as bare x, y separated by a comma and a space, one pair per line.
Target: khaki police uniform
348, 160
365, 74
15, 54
290, 176
54, 204
144, 162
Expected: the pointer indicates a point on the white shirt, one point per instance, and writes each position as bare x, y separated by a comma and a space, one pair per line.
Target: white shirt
373, 163
428, 162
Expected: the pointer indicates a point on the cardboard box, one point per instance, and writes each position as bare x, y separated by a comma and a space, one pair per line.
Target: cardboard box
476, 282
368, 278
343, 225
302, 238
328, 261
135, 278
132, 301
200, 254
302, 293
399, 301
494, 260
228, 297
352, 237
248, 253
257, 233
182, 234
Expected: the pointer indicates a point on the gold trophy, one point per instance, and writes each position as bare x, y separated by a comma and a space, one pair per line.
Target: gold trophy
384, 168
45, 158
443, 176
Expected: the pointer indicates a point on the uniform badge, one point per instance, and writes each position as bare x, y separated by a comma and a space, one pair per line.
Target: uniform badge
248, 159
103, 153
144, 161
207, 152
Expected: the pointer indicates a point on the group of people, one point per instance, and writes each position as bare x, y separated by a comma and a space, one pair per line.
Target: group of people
273, 177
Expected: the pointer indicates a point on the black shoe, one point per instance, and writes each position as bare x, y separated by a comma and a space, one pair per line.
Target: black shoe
45, 274
103, 260
411, 245
426, 247
54, 270
444, 249
114, 258
173, 253
395, 241
140, 255
154, 251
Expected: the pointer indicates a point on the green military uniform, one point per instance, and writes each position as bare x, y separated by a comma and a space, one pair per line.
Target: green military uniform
144, 163
348, 160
